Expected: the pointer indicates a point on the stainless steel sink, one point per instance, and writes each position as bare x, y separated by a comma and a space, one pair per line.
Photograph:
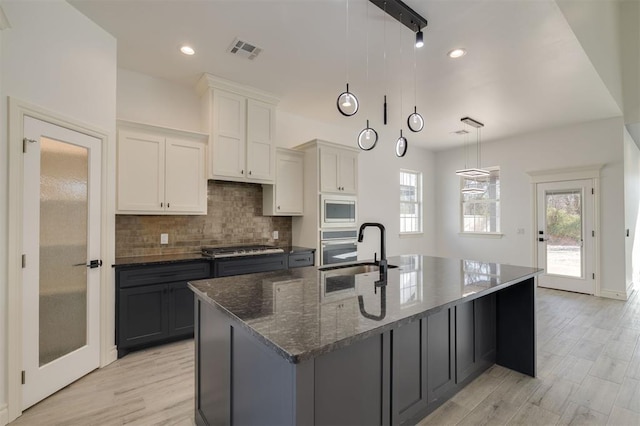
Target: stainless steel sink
353, 268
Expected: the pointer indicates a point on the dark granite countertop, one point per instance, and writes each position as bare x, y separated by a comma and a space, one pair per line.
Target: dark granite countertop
304, 312
184, 257
158, 259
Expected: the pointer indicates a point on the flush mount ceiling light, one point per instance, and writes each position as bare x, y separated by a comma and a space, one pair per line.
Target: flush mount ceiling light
473, 172
187, 50
456, 53
347, 102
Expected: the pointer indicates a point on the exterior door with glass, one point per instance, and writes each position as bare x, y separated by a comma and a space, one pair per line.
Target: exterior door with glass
565, 235
61, 246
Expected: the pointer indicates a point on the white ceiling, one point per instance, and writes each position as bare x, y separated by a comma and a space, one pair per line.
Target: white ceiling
525, 69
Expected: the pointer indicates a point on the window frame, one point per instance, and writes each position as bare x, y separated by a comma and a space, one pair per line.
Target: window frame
419, 203
496, 201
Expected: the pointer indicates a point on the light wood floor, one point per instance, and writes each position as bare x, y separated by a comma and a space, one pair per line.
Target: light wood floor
588, 373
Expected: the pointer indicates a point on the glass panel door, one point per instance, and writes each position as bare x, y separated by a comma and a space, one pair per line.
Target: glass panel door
565, 237
63, 248
564, 232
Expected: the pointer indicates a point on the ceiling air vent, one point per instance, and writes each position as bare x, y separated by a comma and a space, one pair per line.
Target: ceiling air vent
244, 49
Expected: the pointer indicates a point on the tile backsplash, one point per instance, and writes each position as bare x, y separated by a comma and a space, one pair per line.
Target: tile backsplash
234, 217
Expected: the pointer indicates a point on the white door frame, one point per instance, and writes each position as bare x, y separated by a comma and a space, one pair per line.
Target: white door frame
559, 175
17, 111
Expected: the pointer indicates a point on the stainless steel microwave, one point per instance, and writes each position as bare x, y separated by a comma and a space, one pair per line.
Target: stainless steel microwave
338, 210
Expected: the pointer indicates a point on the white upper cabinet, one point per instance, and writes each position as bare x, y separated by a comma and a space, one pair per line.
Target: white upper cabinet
286, 197
338, 170
229, 135
241, 122
260, 140
160, 171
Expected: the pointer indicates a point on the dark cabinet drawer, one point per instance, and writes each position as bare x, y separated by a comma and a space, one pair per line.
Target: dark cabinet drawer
249, 265
298, 260
158, 274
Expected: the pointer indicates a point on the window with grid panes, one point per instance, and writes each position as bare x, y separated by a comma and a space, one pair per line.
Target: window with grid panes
410, 202
481, 212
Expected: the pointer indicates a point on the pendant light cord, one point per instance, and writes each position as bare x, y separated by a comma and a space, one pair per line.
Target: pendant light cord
415, 80
384, 54
346, 48
400, 38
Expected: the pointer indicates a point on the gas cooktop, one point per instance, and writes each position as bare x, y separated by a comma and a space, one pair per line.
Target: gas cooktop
236, 251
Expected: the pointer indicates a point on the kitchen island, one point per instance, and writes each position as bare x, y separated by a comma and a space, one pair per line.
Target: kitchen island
329, 347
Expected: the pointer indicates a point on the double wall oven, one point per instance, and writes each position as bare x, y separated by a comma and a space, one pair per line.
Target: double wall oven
338, 232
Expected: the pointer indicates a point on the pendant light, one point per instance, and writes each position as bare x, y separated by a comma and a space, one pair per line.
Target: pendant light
368, 137
401, 143
347, 102
415, 120
384, 56
478, 171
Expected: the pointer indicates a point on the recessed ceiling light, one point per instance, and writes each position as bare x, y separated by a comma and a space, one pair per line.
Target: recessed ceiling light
187, 50
456, 53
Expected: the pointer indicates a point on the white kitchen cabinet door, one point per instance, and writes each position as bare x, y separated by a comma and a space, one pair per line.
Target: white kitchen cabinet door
329, 161
348, 172
289, 183
140, 172
229, 135
260, 141
186, 182
338, 171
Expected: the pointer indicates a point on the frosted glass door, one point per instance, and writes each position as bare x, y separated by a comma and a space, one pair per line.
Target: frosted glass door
63, 249
61, 238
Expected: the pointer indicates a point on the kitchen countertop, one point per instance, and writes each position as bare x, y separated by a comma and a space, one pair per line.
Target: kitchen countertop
184, 257
292, 312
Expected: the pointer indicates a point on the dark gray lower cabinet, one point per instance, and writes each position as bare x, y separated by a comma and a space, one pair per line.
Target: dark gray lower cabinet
395, 377
154, 304
475, 337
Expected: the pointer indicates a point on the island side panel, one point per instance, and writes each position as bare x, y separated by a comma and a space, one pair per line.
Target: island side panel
212, 361
516, 327
239, 380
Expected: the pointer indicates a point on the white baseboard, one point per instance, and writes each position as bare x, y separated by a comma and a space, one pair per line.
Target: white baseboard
4, 415
611, 294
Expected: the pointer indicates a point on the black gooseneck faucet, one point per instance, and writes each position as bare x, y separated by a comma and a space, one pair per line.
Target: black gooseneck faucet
382, 264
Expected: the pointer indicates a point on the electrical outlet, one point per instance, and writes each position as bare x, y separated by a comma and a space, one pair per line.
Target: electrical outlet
520, 231
275, 235
164, 238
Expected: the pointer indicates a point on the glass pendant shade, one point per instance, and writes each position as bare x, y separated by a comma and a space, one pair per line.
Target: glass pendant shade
415, 121
347, 103
401, 145
367, 138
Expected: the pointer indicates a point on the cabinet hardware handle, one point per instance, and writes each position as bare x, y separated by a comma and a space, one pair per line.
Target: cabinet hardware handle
161, 204
249, 171
278, 207
168, 205
242, 171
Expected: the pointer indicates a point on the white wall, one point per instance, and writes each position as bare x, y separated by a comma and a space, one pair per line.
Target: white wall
598, 142
601, 46
3, 243
632, 209
56, 58
151, 100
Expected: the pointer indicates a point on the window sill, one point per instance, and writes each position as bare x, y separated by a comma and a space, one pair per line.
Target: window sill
411, 234
481, 234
